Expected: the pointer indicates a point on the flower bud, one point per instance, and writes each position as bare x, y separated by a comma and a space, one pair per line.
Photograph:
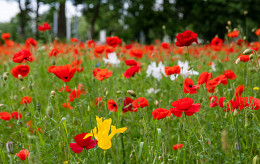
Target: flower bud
49, 111
30, 86
212, 99
23, 88
5, 77
20, 77
229, 23
38, 106
156, 103
131, 92
53, 93
235, 113
251, 56
15, 97
9, 147
245, 12
256, 160
190, 68
247, 51
160, 157
244, 38
1, 105
118, 92
246, 122
237, 61
75, 121
53, 62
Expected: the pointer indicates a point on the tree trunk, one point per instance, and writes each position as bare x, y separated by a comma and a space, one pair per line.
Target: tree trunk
62, 20
37, 20
94, 20
22, 21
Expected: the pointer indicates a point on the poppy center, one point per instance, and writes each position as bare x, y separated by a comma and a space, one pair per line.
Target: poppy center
65, 77
190, 85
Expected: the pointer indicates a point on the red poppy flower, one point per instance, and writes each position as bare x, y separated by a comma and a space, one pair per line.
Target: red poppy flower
82, 143
233, 34
26, 100
184, 105
214, 103
230, 74
177, 146
128, 107
140, 102
17, 115
44, 27
111, 105
113, 41
30, 42
64, 89
160, 113
54, 52
186, 38
67, 105
138, 53
188, 86
172, 70
99, 101
131, 62
239, 90
22, 70
74, 94
5, 116
6, 36
165, 45
23, 55
91, 43
99, 49
101, 74
216, 44
204, 77
64, 72
244, 58
76, 62
257, 32
74, 40
221, 101
131, 71
23, 154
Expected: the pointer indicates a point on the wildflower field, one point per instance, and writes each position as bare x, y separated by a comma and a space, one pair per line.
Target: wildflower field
84, 102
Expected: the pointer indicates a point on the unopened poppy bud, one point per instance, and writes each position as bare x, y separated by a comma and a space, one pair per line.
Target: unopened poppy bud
229, 23
53, 62
189, 68
244, 38
49, 111
227, 27
23, 88
246, 122
163, 27
237, 61
118, 92
256, 160
9, 147
30, 86
247, 51
20, 77
245, 12
15, 97
1, 105
212, 99
235, 113
253, 30
251, 56
5, 77
53, 93
226, 115
88, 108
237, 146
131, 92
156, 103
160, 157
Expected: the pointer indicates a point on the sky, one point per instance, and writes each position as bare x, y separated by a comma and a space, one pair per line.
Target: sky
9, 9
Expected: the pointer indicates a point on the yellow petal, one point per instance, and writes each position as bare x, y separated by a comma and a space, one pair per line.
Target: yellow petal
104, 143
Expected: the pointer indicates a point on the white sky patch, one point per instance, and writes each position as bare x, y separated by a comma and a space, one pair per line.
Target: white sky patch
9, 9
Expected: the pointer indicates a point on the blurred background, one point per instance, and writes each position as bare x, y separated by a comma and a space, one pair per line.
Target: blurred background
132, 20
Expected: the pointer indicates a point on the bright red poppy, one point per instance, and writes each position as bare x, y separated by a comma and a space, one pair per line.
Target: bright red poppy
131, 71
74, 40
160, 113
82, 143
54, 52
30, 42
165, 45
44, 27
189, 87
177, 146
140, 102
172, 70
244, 58
113, 41
204, 77
111, 105
230, 74
5, 116
213, 101
23, 154
6, 36
22, 70
23, 55
64, 72
184, 105
138, 53
186, 38
26, 100
101, 74
233, 34
16, 115
257, 32
131, 62
67, 105
239, 90
216, 44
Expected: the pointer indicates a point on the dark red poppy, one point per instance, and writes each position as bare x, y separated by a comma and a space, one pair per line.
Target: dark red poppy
16, 115
82, 143
64, 72
131, 71
23, 55
113, 41
130, 62
233, 34
186, 38
26, 100
204, 77
165, 45
5, 116
22, 70
188, 86
140, 102
172, 70
128, 107
111, 105
160, 113
230, 74
216, 44
101, 74
184, 105
221, 102
23, 154
177, 146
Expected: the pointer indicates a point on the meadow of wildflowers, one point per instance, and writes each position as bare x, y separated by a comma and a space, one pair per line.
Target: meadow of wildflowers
85, 102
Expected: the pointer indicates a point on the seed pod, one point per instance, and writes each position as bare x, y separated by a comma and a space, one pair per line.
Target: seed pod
49, 111
131, 92
247, 51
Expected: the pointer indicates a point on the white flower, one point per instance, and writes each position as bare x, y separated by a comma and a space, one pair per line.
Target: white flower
184, 69
112, 59
155, 71
152, 90
213, 67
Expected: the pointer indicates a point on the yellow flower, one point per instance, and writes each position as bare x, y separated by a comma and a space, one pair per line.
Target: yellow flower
101, 132
256, 88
